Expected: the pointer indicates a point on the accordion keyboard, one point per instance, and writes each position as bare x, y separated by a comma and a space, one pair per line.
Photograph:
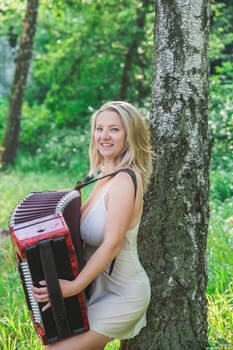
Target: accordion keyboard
27, 281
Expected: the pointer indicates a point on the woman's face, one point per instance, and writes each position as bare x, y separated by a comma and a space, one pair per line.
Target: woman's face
110, 135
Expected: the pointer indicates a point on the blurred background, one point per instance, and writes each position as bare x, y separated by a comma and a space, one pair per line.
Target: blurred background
86, 53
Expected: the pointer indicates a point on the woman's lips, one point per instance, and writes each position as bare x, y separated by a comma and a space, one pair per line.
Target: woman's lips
106, 144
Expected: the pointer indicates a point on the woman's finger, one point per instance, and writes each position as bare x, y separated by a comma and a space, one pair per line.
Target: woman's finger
46, 307
40, 294
40, 298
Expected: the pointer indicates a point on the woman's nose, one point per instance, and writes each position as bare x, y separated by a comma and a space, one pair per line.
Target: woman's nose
106, 135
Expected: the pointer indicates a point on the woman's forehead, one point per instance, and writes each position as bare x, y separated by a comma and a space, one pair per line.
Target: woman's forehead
109, 117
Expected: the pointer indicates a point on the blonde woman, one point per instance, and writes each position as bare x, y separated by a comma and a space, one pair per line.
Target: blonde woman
119, 294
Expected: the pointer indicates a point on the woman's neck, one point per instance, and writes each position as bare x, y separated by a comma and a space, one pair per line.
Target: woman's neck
108, 168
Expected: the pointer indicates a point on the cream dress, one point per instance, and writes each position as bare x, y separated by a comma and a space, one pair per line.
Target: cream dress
118, 302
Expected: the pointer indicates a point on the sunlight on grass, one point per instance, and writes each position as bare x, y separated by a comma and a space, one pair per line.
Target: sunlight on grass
221, 318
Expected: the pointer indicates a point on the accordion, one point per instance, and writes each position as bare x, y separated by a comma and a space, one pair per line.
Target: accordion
44, 228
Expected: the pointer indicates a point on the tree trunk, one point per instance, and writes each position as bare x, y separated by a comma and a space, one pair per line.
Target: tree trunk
124, 345
11, 136
174, 228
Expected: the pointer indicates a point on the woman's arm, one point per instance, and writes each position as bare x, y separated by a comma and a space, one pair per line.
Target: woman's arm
120, 211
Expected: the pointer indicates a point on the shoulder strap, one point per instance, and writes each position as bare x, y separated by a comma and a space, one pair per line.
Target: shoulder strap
133, 177
84, 183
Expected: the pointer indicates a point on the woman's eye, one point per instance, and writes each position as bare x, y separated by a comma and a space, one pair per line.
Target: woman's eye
114, 129
99, 129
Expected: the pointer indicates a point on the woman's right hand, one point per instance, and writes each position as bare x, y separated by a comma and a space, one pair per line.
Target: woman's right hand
41, 294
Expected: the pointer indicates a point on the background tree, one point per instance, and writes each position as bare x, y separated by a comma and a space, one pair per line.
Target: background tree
175, 223
87, 51
10, 140
134, 49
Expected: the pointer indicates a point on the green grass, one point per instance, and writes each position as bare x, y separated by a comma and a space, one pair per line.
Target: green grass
220, 275
220, 318
16, 331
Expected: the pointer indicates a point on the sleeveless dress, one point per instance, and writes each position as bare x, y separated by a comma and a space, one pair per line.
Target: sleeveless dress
118, 302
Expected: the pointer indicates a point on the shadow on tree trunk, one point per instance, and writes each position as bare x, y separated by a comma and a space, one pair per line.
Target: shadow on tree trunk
124, 345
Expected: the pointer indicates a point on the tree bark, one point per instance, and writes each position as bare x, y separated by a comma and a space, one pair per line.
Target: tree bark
11, 136
173, 234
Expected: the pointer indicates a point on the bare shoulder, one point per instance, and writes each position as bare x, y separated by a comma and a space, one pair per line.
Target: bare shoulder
123, 185
123, 178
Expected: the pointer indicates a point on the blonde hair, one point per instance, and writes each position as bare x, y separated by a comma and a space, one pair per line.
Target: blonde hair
137, 153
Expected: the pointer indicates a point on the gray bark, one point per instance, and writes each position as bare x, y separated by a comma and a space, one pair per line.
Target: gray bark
174, 229
11, 136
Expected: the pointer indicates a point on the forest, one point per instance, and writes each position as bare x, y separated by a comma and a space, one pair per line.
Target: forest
84, 54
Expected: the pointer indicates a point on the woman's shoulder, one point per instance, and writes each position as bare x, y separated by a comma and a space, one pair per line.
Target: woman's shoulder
123, 195
127, 176
126, 184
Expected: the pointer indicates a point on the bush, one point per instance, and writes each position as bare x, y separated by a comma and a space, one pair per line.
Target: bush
65, 150
221, 186
36, 125
60, 151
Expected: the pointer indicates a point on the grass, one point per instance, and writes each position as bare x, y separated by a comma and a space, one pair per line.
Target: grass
220, 315
220, 276
16, 331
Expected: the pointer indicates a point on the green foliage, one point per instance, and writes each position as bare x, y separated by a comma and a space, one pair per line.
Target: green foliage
221, 116
11, 17
65, 151
221, 186
80, 53
221, 85
3, 114
221, 35
36, 126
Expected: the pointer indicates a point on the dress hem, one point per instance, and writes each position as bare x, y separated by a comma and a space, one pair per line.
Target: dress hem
113, 337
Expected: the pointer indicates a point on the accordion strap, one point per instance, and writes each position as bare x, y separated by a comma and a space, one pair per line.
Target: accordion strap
55, 295
84, 183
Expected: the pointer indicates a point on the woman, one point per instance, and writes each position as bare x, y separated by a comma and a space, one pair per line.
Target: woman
109, 226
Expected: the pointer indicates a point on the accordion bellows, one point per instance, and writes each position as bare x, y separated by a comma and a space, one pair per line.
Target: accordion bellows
44, 228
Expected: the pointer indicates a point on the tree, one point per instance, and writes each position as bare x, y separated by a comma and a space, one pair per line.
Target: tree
11, 136
134, 46
175, 223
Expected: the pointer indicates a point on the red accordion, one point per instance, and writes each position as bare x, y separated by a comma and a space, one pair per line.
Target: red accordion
44, 228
